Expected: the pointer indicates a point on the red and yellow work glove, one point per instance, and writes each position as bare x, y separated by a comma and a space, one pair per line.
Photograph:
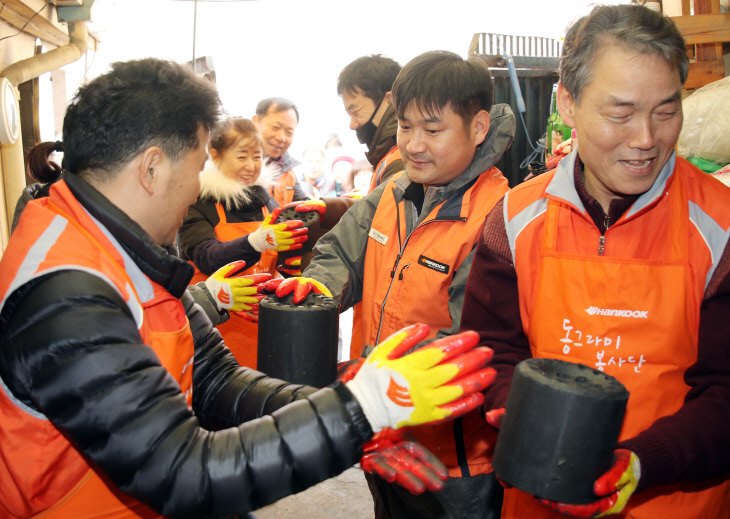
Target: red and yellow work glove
278, 236
395, 459
614, 488
292, 266
234, 292
355, 194
441, 381
304, 206
300, 287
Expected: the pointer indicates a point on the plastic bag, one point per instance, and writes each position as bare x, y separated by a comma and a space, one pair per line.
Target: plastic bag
723, 175
707, 123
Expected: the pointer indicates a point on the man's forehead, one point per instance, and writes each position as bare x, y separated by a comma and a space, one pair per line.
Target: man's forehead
418, 110
287, 117
352, 92
614, 56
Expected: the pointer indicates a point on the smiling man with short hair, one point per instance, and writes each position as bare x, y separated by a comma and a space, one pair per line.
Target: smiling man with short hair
624, 224
405, 251
276, 119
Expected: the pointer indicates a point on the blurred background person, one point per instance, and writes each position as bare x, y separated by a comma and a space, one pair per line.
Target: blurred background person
40, 166
332, 149
277, 119
342, 172
313, 179
362, 174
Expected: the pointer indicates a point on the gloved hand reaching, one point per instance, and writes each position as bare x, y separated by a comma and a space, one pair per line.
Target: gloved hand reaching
304, 206
441, 381
278, 236
614, 488
234, 292
395, 459
301, 287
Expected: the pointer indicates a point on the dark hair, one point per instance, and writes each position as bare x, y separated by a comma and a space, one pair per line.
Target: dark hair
437, 78
372, 75
634, 27
276, 104
224, 134
37, 164
138, 104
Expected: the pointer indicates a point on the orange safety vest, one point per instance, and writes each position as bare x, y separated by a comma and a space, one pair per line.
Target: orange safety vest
410, 284
390, 157
240, 335
283, 189
632, 312
41, 474
356, 344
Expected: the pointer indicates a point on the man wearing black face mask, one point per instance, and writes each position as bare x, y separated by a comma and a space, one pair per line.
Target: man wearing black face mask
364, 86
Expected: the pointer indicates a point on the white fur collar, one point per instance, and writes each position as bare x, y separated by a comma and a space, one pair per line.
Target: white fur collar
234, 195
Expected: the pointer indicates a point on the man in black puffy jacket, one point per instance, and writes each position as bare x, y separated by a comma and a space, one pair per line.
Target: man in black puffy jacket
118, 398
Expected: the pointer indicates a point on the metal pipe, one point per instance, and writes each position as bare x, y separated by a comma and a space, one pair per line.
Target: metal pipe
13, 167
32, 68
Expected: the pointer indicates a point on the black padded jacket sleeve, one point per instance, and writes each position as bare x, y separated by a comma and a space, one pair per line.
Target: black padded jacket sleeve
70, 349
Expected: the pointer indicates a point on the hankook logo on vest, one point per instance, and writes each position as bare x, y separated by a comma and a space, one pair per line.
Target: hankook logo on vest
636, 314
432, 264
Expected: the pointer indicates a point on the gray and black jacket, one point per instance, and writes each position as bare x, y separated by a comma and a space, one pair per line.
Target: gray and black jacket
339, 256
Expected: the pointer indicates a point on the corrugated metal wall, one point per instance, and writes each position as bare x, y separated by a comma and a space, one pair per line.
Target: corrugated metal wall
536, 92
536, 60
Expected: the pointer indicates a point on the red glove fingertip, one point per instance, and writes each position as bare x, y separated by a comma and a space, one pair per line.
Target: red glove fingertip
415, 333
286, 287
237, 269
301, 291
453, 345
606, 484
272, 285
495, 416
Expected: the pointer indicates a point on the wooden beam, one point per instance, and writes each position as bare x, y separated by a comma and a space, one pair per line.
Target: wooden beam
702, 73
704, 28
708, 51
17, 13
474, 45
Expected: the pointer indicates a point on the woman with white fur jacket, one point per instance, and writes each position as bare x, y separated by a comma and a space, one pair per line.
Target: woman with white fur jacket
233, 219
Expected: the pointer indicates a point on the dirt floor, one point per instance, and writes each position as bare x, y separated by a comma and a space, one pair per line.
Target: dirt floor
346, 496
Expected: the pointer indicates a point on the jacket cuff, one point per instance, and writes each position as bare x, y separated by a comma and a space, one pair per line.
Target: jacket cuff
204, 298
359, 421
